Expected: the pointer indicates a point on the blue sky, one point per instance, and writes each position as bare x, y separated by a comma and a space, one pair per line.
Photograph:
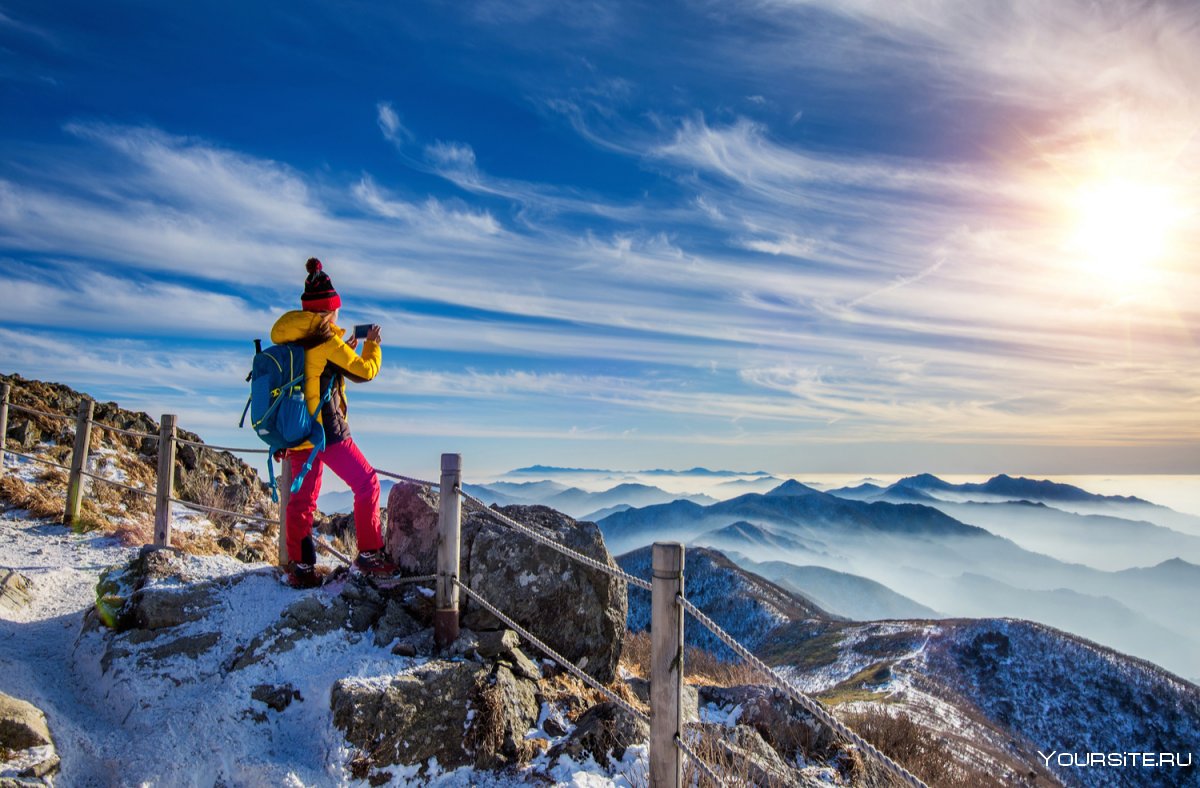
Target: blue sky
793, 235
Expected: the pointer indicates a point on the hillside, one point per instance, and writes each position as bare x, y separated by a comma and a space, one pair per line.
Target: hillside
1001, 691
202, 475
851, 596
749, 606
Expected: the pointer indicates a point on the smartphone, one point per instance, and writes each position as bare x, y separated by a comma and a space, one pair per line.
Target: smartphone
361, 331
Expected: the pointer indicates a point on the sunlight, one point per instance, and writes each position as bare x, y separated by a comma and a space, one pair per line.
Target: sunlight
1122, 227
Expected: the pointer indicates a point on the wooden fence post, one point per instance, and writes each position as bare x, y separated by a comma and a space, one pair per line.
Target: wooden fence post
666, 665
445, 621
166, 481
284, 482
5, 390
83, 437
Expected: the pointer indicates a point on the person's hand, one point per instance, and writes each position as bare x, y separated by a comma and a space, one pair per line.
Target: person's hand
375, 335
352, 342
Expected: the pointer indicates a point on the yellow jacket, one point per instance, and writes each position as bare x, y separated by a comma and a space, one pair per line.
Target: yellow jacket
326, 355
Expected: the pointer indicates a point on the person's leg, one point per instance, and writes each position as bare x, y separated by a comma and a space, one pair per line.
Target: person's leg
351, 466
301, 506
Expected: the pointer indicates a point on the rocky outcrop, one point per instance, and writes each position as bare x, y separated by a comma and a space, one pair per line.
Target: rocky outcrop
199, 470
783, 724
412, 515
460, 713
15, 590
603, 729
26, 747
536, 586
147, 593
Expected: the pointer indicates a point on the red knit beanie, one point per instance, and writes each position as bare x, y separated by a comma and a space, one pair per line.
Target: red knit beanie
319, 295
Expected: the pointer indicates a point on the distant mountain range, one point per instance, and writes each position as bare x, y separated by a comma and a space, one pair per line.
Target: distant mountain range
937, 562
927, 488
580, 504
552, 470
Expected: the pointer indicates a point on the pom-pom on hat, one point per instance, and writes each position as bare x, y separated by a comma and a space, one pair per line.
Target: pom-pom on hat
319, 295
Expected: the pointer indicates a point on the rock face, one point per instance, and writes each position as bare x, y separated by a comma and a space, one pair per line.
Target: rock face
412, 515
198, 469
782, 723
538, 587
604, 728
461, 713
25, 740
541, 588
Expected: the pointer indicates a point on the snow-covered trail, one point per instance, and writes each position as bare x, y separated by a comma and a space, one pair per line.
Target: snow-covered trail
36, 641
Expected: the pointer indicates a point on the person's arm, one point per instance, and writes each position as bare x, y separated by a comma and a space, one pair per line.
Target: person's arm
359, 368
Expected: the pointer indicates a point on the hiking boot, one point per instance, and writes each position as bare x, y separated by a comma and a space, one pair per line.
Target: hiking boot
302, 575
374, 562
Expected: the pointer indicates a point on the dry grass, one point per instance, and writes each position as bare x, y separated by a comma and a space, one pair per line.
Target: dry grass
204, 490
915, 748
700, 667
135, 531
486, 735
713, 747
575, 697
40, 501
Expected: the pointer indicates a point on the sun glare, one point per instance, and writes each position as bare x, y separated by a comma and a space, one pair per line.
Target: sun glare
1122, 227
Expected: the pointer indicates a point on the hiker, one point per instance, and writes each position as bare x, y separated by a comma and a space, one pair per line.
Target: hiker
328, 361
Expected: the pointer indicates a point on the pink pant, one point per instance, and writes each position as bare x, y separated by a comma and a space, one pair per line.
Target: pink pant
345, 460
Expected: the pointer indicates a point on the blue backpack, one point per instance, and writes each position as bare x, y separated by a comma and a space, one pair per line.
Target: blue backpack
278, 411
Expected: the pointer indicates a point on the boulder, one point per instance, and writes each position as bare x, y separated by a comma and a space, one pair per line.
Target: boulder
783, 723
15, 590
24, 433
506, 707
276, 697
537, 586
152, 591
691, 697
540, 588
412, 534
22, 725
461, 713
743, 751
397, 622
25, 740
603, 729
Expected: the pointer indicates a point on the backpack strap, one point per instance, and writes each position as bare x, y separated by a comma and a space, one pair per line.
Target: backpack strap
318, 441
271, 473
242, 423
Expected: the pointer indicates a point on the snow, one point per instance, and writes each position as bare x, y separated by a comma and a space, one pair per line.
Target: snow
187, 720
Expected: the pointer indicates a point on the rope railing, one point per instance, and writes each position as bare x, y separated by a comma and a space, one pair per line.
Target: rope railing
553, 545
36, 412
409, 479
203, 445
122, 485
199, 507
810, 705
554, 655
122, 431
31, 458
698, 762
